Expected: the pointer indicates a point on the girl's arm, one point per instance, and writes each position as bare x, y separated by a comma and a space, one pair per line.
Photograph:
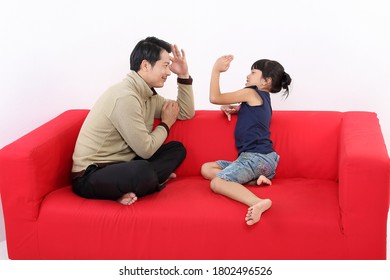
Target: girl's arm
216, 97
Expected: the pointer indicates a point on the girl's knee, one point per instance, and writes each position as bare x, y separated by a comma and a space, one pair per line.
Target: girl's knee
209, 170
216, 184
204, 170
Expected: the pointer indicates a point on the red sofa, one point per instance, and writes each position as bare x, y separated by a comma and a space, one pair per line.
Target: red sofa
330, 196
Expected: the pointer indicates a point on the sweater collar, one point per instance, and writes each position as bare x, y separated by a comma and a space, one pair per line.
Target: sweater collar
140, 86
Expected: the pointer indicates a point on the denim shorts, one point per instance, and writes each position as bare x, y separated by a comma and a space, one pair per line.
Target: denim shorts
248, 167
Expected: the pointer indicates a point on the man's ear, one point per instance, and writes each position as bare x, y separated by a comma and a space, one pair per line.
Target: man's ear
145, 65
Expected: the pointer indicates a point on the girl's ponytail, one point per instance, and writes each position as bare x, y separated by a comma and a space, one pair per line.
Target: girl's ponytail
286, 81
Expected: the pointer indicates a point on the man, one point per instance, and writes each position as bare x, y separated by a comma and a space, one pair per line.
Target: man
118, 155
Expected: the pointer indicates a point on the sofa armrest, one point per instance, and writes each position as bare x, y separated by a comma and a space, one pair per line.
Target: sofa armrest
363, 184
37, 163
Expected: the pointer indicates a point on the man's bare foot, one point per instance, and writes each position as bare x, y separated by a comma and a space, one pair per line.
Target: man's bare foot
255, 211
171, 176
128, 199
163, 184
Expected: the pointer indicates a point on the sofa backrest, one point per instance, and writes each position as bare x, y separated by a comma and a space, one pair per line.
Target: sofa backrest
307, 142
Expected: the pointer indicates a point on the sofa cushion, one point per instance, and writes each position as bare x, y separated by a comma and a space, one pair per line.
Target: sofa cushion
186, 220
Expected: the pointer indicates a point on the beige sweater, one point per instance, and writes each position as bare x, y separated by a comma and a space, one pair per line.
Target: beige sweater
119, 126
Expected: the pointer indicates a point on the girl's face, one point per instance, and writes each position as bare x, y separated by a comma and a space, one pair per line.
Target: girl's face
255, 78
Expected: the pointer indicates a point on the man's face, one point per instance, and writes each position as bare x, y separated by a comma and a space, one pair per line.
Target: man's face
158, 74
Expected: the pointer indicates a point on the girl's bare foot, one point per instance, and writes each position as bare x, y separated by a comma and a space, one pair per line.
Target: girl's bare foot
262, 180
255, 211
128, 198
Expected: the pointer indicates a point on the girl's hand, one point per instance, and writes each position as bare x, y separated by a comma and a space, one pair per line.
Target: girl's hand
223, 63
229, 110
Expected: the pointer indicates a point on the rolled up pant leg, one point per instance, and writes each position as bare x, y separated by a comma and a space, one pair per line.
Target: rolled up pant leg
113, 181
139, 176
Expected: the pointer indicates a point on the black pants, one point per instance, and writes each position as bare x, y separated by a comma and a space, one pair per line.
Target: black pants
139, 176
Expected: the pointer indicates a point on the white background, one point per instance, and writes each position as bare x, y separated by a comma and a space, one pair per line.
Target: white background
61, 54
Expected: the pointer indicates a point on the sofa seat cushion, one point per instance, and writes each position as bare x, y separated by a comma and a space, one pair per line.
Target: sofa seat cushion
187, 218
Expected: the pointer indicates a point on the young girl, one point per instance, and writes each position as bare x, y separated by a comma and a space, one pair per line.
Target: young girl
256, 157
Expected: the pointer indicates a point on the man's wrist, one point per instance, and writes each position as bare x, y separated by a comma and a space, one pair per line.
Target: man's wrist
185, 81
164, 125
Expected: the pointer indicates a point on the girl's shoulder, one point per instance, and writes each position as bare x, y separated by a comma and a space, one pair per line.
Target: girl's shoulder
258, 96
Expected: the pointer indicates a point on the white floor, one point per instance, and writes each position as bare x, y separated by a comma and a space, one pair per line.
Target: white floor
4, 255
3, 251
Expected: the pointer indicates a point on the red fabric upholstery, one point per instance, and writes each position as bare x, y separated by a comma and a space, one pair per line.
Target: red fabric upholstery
330, 196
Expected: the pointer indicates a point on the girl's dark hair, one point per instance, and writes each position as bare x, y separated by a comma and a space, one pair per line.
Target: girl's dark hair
148, 49
274, 70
